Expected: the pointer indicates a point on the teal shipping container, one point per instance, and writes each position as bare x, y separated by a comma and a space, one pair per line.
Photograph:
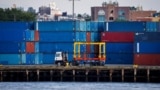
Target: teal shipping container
10, 59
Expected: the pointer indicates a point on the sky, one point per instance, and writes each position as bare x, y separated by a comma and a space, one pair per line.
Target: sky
81, 6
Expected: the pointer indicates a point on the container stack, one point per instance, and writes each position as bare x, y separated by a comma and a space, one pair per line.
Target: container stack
119, 38
147, 48
11, 39
55, 36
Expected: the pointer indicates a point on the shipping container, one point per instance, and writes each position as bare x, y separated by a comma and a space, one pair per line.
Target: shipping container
119, 58
80, 36
81, 26
12, 31
117, 37
94, 26
56, 26
126, 26
38, 58
30, 59
36, 36
158, 27
151, 26
36, 47
30, 47
22, 47
23, 58
54, 47
57, 37
119, 47
147, 47
101, 26
147, 59
147, 37
95, 36
82, 48
10, 47
10, 59
88, 26
29, 35
48, 58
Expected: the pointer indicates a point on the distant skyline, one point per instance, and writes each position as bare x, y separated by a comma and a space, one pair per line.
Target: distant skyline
81, 6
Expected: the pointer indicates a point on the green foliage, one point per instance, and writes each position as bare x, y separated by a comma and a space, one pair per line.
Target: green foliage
16, 15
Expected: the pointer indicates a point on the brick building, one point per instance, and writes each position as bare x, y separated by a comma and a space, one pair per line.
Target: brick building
112, 11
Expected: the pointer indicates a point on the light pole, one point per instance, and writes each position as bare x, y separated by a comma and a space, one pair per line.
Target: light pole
73, 7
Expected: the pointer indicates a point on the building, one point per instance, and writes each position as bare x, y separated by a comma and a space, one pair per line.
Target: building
113, 12
44, 10
31, 10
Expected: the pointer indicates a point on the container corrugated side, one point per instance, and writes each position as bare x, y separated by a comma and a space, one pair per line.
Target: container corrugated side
48, 58
126, 26
117, 36
30, 59
147, 37
147, 47
29, 35
10, 47
56, 26
30, 47
94, 26
57, 36
151, 26
147, 59
101, 26
38, 58
119, 47
22, 47
54, 47
119, 58
10, 59
80, 36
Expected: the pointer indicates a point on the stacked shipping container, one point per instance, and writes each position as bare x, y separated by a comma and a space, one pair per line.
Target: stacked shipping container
147, 48
119, 47
36, 43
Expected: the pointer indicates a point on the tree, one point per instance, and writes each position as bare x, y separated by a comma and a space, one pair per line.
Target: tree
16, 15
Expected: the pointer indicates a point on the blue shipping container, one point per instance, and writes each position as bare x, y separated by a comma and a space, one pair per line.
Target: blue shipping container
95, 36
119, 47
151, 26
56, 26
56, 36
101, 26
147, 37
80, 37
10, 59
126, 26
88, 26
10, 47
23, 47
119, 58
30, 59
29, 35
38, 58
147, 47
36, 47
54, 47
12, 31
48, 58
94, 26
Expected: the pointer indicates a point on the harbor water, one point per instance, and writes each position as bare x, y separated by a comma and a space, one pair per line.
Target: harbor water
77, 86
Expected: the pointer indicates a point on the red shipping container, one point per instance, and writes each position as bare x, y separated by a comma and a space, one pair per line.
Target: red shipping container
147, 59
30, 47
88, 39
117, 36
36, 35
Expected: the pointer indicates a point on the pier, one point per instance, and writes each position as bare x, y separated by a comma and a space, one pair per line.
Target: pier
109, 73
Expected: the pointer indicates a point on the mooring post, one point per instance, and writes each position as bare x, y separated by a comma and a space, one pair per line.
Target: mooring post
135, 74
1, 76
122, 75
148, 75
110, 75
37, 74
61, 72
51, 75
27, 72
73, 75
97, 75
87, 75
